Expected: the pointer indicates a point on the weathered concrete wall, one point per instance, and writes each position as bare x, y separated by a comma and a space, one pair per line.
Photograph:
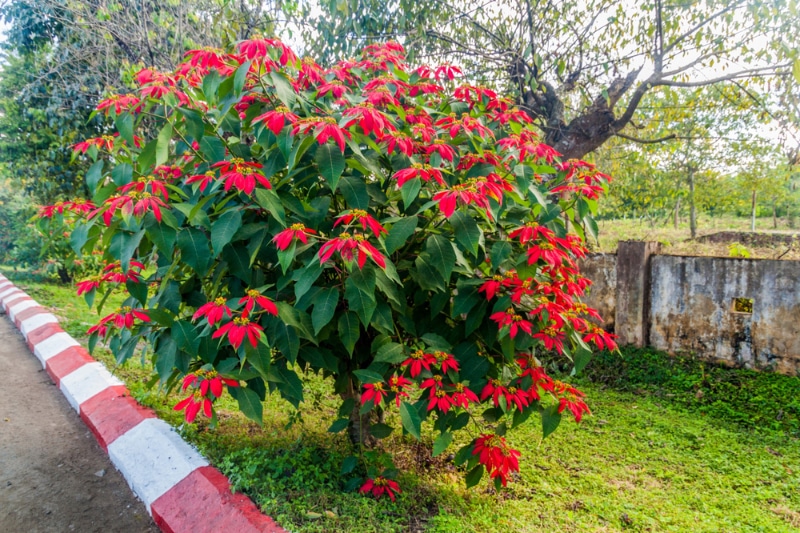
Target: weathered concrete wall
632, 319
691, 309
602, 270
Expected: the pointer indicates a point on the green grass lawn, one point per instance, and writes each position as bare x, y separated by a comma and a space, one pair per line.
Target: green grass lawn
673, 445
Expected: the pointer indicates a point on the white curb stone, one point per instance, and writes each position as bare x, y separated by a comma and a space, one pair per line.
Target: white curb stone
153, 459
20, 307
36, 321
85, 382
53, 345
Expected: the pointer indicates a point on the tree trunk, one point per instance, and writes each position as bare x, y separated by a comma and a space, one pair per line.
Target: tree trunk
676, 217
359, 426
753, 213
774, 214
692, 207
63, 275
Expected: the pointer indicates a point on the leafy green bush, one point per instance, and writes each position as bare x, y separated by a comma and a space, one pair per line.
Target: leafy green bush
407, 235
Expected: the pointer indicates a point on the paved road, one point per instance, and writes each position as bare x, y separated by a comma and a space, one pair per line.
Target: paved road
54, 477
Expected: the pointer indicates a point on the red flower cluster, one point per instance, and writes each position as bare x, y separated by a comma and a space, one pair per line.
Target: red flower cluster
241, 175
208, 386
123, 318
350, 246
298, 231
79, 207
496, 456
381, 486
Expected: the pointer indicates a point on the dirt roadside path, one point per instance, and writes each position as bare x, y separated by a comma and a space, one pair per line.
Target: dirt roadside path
54, 477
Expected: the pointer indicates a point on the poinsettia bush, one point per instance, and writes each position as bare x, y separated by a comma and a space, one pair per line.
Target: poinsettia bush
396, 229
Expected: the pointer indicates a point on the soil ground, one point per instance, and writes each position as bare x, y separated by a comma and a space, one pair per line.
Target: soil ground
54, 477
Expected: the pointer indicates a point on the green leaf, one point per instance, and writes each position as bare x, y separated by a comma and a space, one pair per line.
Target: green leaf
380, 431
360, 298
339, 425
442, 256
410, 419
442, 442
349, 330
409, 191
304, 278
391, 353
400, 233
94, 175
299, 320
238, 262
501, 250
124, 124
324, 308
194, 123
466, 232
162, 144
581, 358
123, 245
463, 454
240, 77
591, 227
284, 89
260, 357
474, 476
249, 403
122, 174
195, 252
185, 336
368, 376
551, 418
290, 386
285, 257
270, 201
349, 464
224, 228
330, 162
210, 85
212, 148
79, 237
355, 192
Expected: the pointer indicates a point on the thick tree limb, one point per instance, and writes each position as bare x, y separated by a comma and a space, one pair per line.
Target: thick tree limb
637, 140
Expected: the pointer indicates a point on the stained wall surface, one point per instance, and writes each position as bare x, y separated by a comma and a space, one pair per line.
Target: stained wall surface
601, 269
692, 309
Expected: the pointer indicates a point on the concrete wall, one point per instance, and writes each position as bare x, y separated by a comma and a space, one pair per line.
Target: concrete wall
602, 270
689, 306
692, 309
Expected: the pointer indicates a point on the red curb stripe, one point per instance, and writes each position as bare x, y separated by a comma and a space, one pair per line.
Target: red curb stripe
41, 334
67, 362
112, 413
202, 501
27, 313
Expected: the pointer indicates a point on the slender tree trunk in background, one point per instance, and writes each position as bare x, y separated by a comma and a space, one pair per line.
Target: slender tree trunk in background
774, 214
676, 217
692, 207
753, 213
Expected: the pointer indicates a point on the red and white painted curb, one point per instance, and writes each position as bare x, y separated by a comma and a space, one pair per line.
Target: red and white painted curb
180, 490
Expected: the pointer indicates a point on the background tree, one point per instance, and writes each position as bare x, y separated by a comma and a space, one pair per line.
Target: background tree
581, 69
